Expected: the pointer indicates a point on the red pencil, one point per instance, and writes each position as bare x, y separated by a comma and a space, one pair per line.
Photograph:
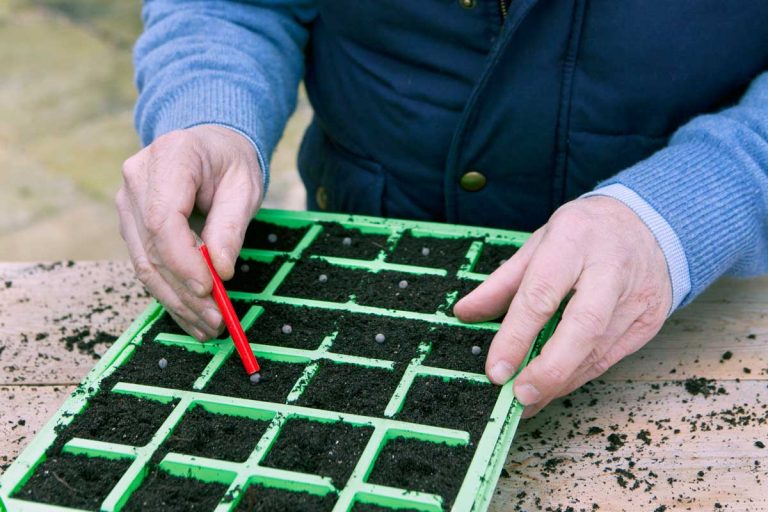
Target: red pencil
250, 363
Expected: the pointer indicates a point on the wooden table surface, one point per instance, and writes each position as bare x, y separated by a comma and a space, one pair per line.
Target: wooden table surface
679, 451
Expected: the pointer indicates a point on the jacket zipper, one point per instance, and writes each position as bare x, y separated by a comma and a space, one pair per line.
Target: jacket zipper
503, 9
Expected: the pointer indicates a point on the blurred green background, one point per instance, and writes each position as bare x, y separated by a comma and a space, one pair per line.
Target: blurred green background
66, 101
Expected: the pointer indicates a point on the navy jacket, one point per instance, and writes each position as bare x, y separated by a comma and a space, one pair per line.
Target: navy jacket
544, 103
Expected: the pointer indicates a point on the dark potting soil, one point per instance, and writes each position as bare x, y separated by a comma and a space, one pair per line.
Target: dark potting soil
368, 507
75, 481
253, 276
452, 348
456, 404
360, 246
167, 493
87, 342
116, 418
277, 379
241, 308
463, 287
266, 499
350, 388
182, 369
424, 293
357, 336
215, 436
308, 326
325, 449
304, 281
435, 468
257, 236
492, 256
447, 253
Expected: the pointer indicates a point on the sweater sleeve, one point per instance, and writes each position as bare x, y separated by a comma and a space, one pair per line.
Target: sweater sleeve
234, 63
710, 185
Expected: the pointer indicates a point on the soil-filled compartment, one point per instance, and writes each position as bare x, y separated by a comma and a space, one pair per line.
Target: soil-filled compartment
214, 436
75, 481
380, 337
277, 378
258, 498
163, 492
459, 348
253, 276
350, 388
292, 326
340, 242
319, 448
428, 251
423, 466
319, 280
116, 418
272, 237
492, 256
451, 403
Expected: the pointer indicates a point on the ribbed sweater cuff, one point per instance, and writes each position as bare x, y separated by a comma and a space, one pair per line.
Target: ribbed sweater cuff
669, 242
697, 189
218, 102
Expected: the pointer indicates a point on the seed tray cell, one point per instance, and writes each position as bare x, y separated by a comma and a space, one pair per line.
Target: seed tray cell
367, 384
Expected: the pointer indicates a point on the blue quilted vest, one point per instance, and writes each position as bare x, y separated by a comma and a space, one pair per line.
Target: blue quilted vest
410, 95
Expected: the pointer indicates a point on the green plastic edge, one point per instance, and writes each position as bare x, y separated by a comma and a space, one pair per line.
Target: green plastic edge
481, 478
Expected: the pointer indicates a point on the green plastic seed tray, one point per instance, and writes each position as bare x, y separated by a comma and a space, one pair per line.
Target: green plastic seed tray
372, 397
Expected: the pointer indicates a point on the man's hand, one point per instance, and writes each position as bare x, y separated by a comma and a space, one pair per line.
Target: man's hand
213, 169
599, 248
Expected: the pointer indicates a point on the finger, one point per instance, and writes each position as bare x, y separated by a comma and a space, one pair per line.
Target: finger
585, 321
550, 275
154, 282
234, 204
492, 298
170, 246
621, 346
163, 192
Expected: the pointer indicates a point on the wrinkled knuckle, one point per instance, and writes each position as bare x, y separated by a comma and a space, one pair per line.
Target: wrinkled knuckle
155, 217
130, 170
143, 270
601, 365
553, 375
540, 298
590, 323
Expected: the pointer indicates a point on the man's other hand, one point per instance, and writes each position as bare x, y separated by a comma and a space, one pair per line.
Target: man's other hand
598, 248
208, 167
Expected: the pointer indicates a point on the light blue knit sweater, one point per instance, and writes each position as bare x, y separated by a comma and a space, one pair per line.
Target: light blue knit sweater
238, 64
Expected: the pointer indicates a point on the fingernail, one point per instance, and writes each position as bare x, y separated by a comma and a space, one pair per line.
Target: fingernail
527, 394
196, 287
212, 318
501, 372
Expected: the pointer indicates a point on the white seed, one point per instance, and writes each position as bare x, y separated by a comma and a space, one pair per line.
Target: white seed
502, 261
255, 378
287, 329
272, 238
322, 278
346, 242
425, 251
403, 284
162, 363
476, 350
245, 267
379, 338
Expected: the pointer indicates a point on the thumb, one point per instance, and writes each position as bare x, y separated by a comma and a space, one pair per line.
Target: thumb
234, 203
